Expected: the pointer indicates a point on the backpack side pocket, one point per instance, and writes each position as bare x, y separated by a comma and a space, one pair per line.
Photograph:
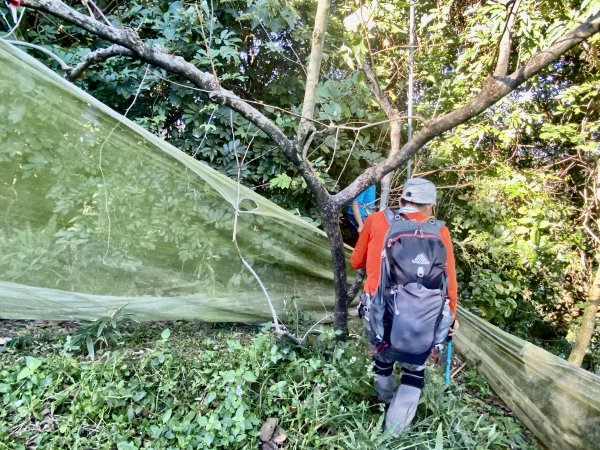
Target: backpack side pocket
373, 311
441, 333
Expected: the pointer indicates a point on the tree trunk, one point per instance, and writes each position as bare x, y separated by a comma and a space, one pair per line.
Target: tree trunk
330, 216
313, 71
588, 323
395, 135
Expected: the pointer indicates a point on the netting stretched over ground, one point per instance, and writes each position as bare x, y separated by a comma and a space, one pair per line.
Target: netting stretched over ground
97, 213
558, 402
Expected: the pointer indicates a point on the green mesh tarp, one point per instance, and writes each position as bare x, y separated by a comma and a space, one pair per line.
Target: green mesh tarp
558, 402
96, 213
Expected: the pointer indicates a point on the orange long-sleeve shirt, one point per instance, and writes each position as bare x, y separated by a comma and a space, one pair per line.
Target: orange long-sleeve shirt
367, 252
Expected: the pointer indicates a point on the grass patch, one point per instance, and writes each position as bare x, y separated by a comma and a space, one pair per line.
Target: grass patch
192, 386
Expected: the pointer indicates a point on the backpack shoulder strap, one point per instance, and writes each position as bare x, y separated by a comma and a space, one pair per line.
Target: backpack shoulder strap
393, 216
432, 225
389, 216
392, 219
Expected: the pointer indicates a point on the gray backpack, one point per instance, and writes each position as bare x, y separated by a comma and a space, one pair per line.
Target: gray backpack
409, 314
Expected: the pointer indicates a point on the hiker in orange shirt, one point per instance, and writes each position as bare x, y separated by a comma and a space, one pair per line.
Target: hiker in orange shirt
417, 202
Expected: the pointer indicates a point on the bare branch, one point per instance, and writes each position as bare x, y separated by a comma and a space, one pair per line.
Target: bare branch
95, 57
587, 215
380, 96
100, 167
63, 65
395, 130
328, 128
505, 42
282, 54
11, 29
356, 285
588, 323
399, 118
98, 10
206, 42
356, 135
236, 208
280, 329
128, 38
493, 89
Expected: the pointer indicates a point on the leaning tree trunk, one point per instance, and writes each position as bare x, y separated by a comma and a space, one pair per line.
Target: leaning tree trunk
588, 323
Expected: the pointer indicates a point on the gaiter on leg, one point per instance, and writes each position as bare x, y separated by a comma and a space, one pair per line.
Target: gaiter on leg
385, 382
403, 408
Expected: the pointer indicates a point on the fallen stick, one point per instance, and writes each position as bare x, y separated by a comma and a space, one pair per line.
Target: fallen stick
458, 370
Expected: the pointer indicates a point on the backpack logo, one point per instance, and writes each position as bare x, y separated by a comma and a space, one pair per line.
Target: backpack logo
421, 259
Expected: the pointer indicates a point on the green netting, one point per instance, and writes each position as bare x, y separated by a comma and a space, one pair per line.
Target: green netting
97, 213
558, 402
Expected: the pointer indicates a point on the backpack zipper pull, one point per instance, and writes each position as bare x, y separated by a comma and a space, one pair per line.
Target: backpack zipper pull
396, 312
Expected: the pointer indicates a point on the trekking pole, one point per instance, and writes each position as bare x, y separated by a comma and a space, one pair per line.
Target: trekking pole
448, 361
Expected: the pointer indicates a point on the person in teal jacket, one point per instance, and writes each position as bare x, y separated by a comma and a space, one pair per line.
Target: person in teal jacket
360, 208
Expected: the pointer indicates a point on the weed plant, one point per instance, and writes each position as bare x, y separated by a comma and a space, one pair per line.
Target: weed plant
197, 388
101, 332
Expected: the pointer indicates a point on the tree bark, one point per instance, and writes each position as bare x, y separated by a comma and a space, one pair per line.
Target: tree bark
154, 55
386, 181
96, 57
492, 91
588, 323
306, 127
331, 224
394, 117
505, 43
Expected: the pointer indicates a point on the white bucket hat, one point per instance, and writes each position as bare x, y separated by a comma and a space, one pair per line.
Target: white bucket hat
420, 191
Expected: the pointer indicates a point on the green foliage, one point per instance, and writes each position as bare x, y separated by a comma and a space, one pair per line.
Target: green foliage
184, 388
246, 43
448, 419
105, 212
514, 244
100, 332
472, 381
20, 342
